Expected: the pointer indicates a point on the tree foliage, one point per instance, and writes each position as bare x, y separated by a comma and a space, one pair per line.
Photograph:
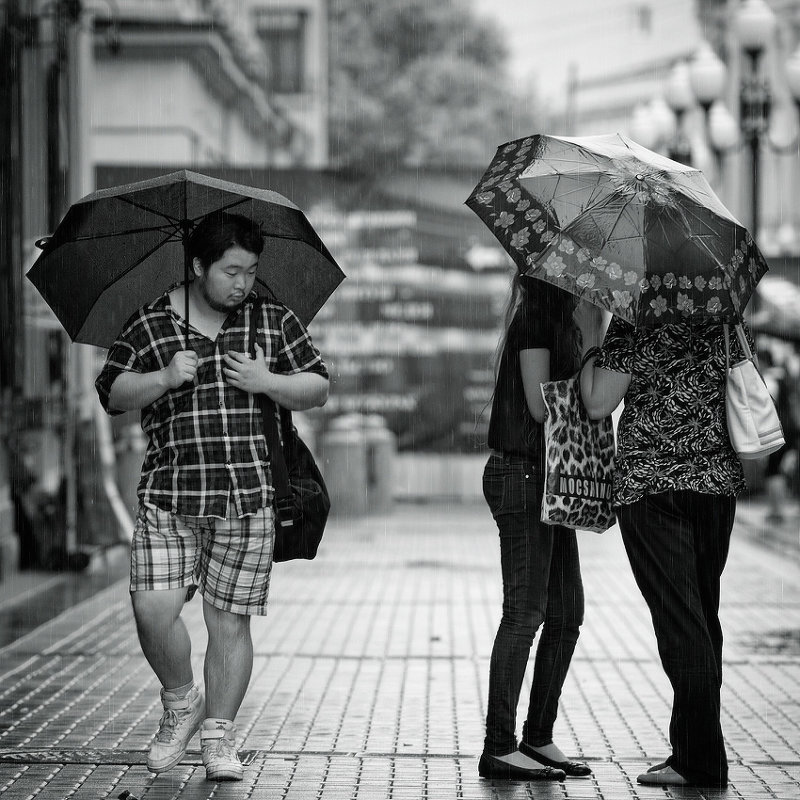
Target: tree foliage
418, 82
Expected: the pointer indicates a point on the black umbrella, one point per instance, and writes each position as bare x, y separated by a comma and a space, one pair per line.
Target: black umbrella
120, 248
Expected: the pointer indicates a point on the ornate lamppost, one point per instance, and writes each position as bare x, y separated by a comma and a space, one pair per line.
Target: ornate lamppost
680, 98
652, 123
708, 77
753, 27
704, 81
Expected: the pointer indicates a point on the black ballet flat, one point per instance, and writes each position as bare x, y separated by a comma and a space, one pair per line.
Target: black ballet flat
490, 767
572, 769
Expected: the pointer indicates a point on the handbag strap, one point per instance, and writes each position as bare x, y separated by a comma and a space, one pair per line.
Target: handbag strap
727, 346
280, 472
743, 343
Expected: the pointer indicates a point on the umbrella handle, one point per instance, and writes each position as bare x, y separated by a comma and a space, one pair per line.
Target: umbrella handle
186, 308
186, 267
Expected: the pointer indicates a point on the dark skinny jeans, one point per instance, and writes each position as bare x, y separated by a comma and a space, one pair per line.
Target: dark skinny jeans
677, 543
542, 587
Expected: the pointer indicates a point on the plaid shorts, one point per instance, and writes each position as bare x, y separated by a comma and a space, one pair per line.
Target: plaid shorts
228, 560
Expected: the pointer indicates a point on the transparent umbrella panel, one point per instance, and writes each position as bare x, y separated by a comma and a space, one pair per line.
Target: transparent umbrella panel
628, 229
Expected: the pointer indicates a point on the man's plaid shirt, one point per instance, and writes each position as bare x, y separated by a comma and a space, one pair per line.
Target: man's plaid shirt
206, 453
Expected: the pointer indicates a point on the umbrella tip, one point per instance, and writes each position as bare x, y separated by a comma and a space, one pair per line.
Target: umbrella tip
42, 243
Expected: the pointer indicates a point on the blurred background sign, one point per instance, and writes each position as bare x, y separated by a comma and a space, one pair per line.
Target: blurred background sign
410, 334
778, 312
415, 344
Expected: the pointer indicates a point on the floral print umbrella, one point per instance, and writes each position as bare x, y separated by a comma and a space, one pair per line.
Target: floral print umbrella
619, 225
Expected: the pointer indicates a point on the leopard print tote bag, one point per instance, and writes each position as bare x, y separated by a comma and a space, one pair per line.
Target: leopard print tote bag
579, 459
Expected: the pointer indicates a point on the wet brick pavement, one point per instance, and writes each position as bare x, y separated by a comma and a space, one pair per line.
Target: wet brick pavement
370, 678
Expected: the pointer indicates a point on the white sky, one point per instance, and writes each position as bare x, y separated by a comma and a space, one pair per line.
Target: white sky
599, 36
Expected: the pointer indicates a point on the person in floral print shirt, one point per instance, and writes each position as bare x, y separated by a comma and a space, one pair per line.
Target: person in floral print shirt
675, 489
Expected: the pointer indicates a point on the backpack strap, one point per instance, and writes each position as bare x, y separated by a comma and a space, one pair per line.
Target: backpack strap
269, 426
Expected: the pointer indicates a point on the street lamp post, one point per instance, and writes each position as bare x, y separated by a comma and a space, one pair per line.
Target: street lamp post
793, 77
708, 76
754, 24
679, 97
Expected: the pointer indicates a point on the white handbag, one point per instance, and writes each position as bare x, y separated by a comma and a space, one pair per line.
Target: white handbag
753, 425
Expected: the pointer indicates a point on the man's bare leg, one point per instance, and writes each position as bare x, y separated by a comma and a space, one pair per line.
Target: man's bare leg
163, 636
229, 661
166, 645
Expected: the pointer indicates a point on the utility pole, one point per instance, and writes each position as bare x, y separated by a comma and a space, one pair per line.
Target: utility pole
571, 110
11, 325
80, 182
11, 319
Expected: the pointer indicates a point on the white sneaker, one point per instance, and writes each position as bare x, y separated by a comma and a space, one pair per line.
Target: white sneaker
179, 722
218, 743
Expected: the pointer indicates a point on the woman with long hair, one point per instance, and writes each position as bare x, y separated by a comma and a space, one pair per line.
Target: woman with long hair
542, 587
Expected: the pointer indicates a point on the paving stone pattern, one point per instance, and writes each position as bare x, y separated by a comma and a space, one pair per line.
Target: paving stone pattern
370, 678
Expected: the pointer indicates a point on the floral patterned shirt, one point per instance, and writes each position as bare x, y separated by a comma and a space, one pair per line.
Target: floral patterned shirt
673, 430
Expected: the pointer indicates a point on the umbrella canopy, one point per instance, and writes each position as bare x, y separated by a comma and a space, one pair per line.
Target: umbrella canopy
120, 248
619, 225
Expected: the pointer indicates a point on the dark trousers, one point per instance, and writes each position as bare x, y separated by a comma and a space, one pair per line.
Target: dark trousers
677, 544
541, 588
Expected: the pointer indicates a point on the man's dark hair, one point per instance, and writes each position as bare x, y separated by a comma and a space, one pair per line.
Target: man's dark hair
220, 231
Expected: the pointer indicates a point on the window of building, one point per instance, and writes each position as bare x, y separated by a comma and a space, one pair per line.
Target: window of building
283, 35
643, 17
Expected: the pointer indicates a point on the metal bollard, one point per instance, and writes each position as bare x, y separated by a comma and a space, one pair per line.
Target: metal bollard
381, 452
344, 467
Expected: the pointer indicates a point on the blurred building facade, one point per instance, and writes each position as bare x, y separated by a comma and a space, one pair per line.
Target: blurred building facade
185, 82
620, 100
647, 38
112, 92
210, 82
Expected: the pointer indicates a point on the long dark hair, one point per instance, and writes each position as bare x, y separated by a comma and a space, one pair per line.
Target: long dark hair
540, 298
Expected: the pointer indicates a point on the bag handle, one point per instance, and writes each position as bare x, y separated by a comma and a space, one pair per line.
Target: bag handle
280, 472
743, 343
727, 346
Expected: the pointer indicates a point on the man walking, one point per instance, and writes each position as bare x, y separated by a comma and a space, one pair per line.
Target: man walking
205, 518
